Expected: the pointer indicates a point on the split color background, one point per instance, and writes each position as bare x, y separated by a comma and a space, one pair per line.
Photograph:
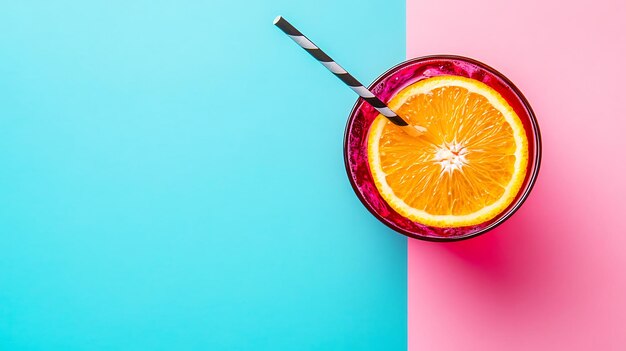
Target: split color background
171, 178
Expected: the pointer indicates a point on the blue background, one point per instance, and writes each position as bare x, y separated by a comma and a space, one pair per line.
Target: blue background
171, 177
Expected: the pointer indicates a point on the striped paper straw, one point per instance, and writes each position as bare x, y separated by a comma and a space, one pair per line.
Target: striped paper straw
346, 77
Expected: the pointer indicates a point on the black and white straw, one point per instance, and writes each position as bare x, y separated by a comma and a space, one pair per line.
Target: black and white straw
346, 77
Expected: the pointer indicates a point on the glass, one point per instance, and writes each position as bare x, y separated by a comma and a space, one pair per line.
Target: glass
389, 84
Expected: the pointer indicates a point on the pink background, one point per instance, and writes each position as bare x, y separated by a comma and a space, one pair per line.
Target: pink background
553, 276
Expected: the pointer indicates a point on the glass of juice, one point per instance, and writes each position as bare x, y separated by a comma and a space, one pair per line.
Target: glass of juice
470, 171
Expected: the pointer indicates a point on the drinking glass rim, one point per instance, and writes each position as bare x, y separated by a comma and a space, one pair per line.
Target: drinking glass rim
531, 181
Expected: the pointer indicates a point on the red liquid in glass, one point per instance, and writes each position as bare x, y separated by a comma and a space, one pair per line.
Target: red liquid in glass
389, 84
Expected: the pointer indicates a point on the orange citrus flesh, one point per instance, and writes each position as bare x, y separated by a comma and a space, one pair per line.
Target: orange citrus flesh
469, 165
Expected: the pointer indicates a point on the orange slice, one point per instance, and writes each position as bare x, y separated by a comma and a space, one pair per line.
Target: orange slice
469, 165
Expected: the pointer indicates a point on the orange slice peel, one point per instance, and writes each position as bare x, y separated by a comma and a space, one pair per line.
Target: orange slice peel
465, 169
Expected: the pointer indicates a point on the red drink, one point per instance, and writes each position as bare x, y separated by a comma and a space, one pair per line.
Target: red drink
389, 84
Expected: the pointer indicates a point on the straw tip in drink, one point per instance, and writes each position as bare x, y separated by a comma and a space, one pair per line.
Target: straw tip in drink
414, 131
278, 18
421, 129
